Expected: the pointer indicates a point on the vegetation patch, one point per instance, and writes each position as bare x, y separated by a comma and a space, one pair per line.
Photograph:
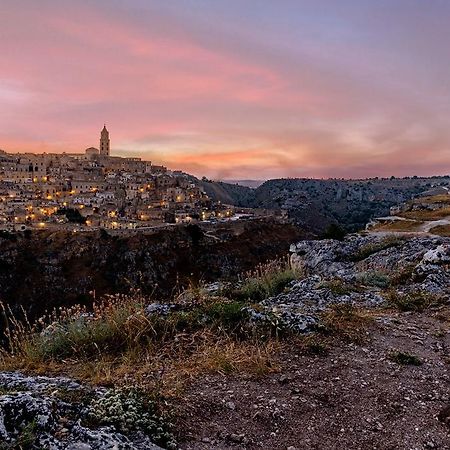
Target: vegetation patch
413, 301
374, 278
427, 214
338, 287
24, 440
369, 249
399, 225
441, 230
403, 275
266, 281
120, 324
346, 321
316, 346
404, 358
131, 410
119, 338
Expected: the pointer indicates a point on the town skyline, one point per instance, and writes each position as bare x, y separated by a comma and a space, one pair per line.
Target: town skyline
302, 89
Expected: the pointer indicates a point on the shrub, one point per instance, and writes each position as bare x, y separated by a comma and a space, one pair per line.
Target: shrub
369, 249
25, 439
131, 410
113, 323
334, 232
338, 287
119, 324
404, 359
412, 301
374, 278
266, 280
345, 321
403, 275
316, 347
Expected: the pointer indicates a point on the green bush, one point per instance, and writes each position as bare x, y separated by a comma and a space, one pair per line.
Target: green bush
405, 359
266, 281
412, 301
374, 278
338, 287
369, 249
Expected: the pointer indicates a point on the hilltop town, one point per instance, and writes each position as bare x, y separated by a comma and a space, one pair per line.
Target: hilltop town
92, 190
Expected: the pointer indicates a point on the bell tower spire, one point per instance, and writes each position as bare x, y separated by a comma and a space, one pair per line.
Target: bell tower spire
104, 142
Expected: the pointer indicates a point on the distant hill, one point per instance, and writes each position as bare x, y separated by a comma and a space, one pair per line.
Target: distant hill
316, 204
247, 183
232, 194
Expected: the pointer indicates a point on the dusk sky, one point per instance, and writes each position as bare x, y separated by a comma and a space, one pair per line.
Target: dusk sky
236, 89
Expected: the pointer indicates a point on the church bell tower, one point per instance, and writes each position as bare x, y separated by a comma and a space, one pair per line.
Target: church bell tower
104, 142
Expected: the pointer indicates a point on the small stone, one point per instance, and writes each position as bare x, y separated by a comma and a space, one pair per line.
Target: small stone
78, 446
230, 405
284, 379
236, 437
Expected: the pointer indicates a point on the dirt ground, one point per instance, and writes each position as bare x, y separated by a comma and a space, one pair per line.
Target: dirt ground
355, 397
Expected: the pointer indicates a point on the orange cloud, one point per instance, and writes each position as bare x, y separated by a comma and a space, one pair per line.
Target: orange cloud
217, 97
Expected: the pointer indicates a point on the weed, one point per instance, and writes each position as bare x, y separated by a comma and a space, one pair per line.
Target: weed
412, 301
369, 249
404, 358
374, 278
131, 410
266, 280
338, 287
25, 439
345, 321
316, 347
403, 275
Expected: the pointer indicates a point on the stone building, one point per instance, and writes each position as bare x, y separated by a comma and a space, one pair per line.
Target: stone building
104, 142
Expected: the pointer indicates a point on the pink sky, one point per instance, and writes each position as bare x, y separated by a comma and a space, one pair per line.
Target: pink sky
232, 89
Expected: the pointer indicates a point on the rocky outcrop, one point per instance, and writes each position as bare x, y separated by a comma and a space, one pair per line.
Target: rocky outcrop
55, 414
358, 256
358, 271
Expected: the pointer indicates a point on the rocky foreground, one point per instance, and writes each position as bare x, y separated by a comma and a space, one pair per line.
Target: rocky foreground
388, 389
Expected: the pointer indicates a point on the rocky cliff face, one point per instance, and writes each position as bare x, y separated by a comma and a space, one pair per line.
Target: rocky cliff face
43, 270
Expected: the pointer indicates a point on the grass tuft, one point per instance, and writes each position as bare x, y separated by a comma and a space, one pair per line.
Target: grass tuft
369, 249
346, 321
413, 301
404, 358
266, 280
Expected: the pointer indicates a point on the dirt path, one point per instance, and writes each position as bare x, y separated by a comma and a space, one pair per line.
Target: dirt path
355, 397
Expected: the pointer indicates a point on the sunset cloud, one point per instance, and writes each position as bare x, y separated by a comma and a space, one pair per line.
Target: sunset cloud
292, 88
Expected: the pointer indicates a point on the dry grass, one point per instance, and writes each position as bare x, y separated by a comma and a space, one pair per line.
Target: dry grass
399, 225
346, 322
369, 249
413, 301
117, 342
165, 369
441, 198
427, 215
266, 280
441, 230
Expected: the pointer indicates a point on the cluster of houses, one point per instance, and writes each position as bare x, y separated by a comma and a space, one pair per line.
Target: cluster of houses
81, 191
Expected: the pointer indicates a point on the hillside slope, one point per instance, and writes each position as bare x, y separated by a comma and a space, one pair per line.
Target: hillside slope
315, 204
